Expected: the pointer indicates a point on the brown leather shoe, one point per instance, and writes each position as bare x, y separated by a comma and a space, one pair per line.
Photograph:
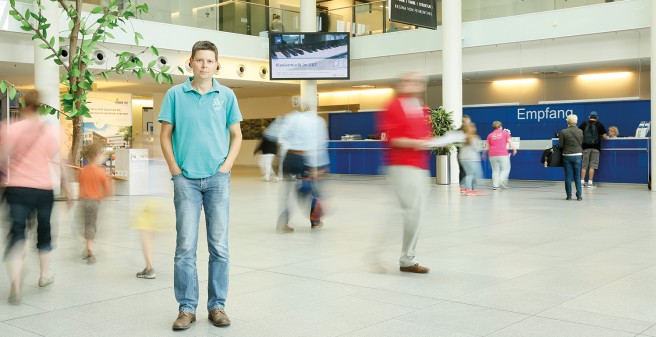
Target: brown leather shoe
416, 268
219, 317
184, 320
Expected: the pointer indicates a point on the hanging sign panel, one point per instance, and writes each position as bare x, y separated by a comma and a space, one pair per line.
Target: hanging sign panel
422, 13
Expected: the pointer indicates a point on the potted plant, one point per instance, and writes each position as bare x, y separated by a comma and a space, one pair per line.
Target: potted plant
441, 122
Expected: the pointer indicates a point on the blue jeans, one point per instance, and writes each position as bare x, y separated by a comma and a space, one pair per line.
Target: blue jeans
22, 202
473, 172
572, 166
190, 195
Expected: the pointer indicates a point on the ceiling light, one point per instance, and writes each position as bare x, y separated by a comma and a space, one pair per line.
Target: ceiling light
605, 76
518, 81
380, 91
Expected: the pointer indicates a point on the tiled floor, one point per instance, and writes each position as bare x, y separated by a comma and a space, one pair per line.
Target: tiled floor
519, 262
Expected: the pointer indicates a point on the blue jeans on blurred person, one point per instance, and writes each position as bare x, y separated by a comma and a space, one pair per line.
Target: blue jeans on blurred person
572, 166
213, 195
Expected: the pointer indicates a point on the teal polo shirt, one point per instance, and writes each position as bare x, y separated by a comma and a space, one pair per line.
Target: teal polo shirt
201, 138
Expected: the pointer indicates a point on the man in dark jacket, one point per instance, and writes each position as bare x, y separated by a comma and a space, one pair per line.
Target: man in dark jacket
593, 133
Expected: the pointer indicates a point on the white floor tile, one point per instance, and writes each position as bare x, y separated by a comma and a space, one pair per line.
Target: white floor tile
459, 317
543, 327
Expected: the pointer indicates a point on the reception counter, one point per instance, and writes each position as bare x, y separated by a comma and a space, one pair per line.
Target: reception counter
622, 160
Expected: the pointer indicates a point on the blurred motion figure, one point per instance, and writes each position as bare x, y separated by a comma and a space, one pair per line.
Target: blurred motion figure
94, 186
30, 146
304, 137
404, 122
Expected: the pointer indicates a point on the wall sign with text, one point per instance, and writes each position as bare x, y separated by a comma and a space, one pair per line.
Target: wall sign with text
422, 13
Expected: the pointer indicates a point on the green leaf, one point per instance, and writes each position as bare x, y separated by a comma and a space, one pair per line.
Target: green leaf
71, 24
165, 69
85, 85
104, 75
154, 50
12, 3
109, 35
12, 92
96, 10
3, 86
181, 70
159, 78
26, 28
138, 35
152, 63
52, 41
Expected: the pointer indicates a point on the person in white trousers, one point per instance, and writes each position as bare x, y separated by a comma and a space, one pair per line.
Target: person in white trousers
499, 155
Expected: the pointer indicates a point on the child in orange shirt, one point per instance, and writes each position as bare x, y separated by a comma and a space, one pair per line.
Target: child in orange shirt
94, 186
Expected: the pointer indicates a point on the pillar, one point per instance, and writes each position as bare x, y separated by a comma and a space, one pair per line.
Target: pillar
452, 67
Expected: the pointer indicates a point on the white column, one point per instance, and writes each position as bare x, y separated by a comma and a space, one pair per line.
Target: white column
652, 152
309, 24
46, 72
452, 67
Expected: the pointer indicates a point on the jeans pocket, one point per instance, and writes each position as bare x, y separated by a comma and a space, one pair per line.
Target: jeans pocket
175, 176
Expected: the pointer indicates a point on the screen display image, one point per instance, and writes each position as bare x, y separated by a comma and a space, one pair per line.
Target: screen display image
309, 56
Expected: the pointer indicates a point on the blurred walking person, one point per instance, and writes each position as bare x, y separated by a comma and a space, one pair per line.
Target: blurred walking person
30, 146
404, 122
269, 148
304, 136
95, 185
470, 159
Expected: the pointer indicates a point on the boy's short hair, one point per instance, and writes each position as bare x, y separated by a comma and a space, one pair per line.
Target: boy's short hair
92, 151
204, 45
32, 100
497, 124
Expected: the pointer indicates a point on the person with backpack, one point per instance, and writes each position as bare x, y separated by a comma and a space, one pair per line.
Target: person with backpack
593, 133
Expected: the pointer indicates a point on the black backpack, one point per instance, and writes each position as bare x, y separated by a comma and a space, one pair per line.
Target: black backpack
591, 134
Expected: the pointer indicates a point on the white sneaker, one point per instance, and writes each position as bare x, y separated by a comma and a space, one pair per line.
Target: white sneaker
591, 185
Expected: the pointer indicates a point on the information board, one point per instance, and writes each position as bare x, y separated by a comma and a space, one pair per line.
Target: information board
422, 13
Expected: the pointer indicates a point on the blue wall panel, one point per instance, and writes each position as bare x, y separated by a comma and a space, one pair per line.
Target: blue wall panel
523, 120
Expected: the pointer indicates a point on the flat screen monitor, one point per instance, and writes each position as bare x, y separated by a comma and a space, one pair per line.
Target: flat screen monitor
309, 56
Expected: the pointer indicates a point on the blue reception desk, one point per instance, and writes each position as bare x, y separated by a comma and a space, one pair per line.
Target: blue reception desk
623, 160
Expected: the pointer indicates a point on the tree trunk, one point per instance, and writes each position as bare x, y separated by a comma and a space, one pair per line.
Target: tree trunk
76, 145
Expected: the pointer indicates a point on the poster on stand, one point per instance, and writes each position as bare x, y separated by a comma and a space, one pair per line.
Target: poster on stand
422, 13
111, 120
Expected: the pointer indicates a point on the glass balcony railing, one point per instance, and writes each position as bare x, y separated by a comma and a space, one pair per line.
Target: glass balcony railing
254, 17
473, 10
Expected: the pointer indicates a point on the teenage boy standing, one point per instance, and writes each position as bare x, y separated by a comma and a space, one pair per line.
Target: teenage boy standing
200, 139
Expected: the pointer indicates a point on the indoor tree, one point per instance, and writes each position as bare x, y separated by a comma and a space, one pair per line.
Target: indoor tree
86, 32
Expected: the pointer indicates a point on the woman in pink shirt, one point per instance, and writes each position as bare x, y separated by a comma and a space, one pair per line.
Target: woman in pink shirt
30, 146
499, 157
